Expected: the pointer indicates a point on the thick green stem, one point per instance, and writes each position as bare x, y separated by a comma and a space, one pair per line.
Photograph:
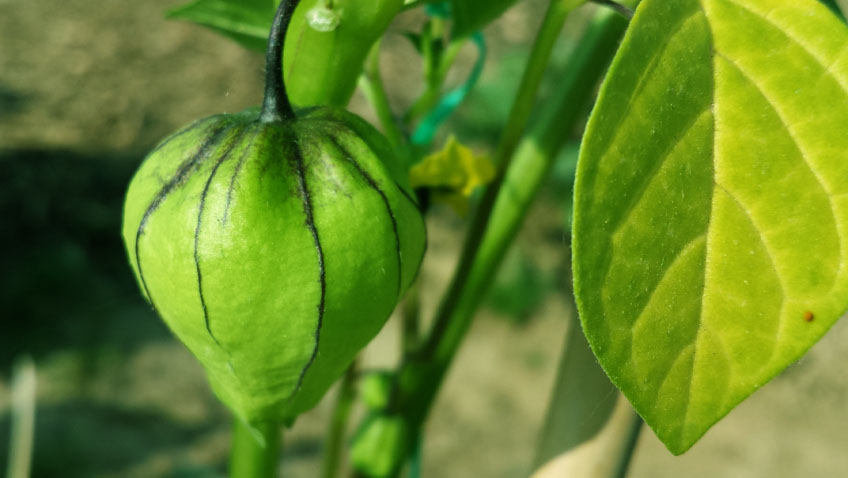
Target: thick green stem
490, 234
255, 452
338, 424
276, 105
453, 316
591, 430
504, 207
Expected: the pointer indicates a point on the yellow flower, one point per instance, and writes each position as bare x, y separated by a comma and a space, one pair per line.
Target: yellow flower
453, 174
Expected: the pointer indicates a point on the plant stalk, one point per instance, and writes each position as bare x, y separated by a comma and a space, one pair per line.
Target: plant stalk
435, 80
466, 288
591, 430
276, 106
422, 372
371, 83
411, 319
629, 445
255, 452
506, 202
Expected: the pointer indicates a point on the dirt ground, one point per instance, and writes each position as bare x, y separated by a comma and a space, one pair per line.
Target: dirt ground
106, 80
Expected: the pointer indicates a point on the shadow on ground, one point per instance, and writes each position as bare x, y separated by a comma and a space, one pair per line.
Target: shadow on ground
66, 282
84, 438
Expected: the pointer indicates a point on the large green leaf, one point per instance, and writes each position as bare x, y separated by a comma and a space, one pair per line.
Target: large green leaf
711, 204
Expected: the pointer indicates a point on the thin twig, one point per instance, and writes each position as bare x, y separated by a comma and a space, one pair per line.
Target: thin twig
23, 419
630, 448
622, 10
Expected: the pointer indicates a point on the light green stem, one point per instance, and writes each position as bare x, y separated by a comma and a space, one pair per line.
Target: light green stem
522, 106
371, 83
435, 81
255, 452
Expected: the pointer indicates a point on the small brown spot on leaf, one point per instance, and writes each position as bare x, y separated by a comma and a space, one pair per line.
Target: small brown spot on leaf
808, 316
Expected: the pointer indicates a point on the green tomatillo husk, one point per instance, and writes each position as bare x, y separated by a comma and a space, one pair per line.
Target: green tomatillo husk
274, 244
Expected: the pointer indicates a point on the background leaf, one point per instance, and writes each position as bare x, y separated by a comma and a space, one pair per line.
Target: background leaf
245, 21
472, 15
711, 204
321, 66
836, 6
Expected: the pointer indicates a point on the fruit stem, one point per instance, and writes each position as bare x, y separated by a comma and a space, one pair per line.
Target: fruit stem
276, 106
255, 450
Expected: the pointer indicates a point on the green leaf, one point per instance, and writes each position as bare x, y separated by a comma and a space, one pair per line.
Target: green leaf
711, 204
245, 21
472, 15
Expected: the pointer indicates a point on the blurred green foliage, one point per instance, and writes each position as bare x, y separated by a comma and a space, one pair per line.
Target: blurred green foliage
520, 287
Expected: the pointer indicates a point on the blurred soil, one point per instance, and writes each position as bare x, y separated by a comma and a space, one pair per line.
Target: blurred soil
86, 87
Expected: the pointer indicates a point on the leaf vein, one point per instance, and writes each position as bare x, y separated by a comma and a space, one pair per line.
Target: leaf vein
810, 51
645, 75
804, 157
686, 248
636, 198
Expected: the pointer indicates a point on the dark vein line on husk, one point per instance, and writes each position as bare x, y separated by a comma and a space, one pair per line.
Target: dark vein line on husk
235, 141
236, 172
303, 190
373, 185
178, 178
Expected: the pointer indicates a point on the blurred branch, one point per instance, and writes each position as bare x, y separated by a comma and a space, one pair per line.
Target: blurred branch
622, 10
411, 319
338, 425
23, 419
